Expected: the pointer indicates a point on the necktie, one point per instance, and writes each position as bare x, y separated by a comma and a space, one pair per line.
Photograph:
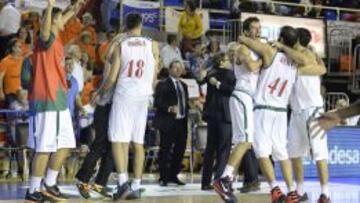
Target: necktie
180, 99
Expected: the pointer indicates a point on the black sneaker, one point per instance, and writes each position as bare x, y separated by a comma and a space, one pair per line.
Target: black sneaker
84, 190
304, 197
250, 187
54, 193
122, 191
223, 187
101, 190
36, 197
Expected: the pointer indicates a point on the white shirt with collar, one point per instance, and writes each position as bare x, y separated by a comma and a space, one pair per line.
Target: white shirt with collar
9, 20
169, 54
183, 98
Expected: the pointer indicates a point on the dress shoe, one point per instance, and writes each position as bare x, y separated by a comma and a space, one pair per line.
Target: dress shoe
207, 187
176, 181
163, 183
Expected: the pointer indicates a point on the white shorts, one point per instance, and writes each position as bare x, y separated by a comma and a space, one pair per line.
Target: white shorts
270, 134
242, 117
51, 130
127, 121
300, 142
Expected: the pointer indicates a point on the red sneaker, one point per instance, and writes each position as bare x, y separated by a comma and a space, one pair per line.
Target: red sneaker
292, 197
323, 199
277, 196
223, 187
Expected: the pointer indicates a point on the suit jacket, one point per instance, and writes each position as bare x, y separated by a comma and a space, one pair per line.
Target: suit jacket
216, 106
165, 96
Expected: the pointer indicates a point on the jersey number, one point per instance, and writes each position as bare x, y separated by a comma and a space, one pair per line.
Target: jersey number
274, 85
139, 65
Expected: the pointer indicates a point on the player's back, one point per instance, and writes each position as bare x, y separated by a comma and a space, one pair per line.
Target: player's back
137, 68
275, 82
307, 93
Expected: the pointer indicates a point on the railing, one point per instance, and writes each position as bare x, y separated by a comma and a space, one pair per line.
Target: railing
333, 97
356, 70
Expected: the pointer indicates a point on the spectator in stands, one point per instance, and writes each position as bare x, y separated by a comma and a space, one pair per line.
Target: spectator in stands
196, 60
10, 70
190, 27
24, 38
170, 52
73, 98
88, 46
72, 29
73, 51
9, 24
171, 103
88, 25
221, 82
212, 49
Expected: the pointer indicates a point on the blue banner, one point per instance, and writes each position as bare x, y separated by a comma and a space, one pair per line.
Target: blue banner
150, 12
344, 155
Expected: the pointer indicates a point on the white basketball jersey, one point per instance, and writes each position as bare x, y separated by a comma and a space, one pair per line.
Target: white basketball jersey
307, 93
246, 80
137, 68
276, 82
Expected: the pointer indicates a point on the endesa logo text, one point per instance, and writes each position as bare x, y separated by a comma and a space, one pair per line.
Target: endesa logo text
341, 156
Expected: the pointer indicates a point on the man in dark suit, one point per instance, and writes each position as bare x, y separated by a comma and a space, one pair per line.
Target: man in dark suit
171, 118
221, 81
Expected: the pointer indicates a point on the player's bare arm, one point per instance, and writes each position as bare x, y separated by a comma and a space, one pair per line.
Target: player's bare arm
156, 53
243, 55
316, 69
46, 25
113, 74
265, 50
72, 10
298, 56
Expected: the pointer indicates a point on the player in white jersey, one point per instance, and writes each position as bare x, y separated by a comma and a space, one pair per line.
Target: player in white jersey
307, 104
246, 68
275, 83
134, 67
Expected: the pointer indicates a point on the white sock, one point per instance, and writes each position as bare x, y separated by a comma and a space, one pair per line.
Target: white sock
35, 184
122, 178
136, 184
325, 190
291, 188
273, 184
51, 177
228, 171
300, 188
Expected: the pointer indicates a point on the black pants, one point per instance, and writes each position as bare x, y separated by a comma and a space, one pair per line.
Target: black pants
100, 148
218, 146
250, 167
172, 149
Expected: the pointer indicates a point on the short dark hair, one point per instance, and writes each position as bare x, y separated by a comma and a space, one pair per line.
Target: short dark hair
191, 5
247, 22
133, 20
56, 11
170, 38
11, 43
289, 36
172, 63
304, 36
217, 58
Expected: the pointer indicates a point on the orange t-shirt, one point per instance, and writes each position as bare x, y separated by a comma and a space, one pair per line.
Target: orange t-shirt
101, 54
92, 31
86, 92
72, 30
90, 50
11, 67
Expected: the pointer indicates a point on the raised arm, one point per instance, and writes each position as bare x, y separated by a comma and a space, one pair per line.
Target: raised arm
72, 10
244, 56
265, 50
46, 24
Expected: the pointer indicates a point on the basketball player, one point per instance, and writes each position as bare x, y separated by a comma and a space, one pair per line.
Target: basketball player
306, 104
134, 67
51, 129
270, 112
247, 65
